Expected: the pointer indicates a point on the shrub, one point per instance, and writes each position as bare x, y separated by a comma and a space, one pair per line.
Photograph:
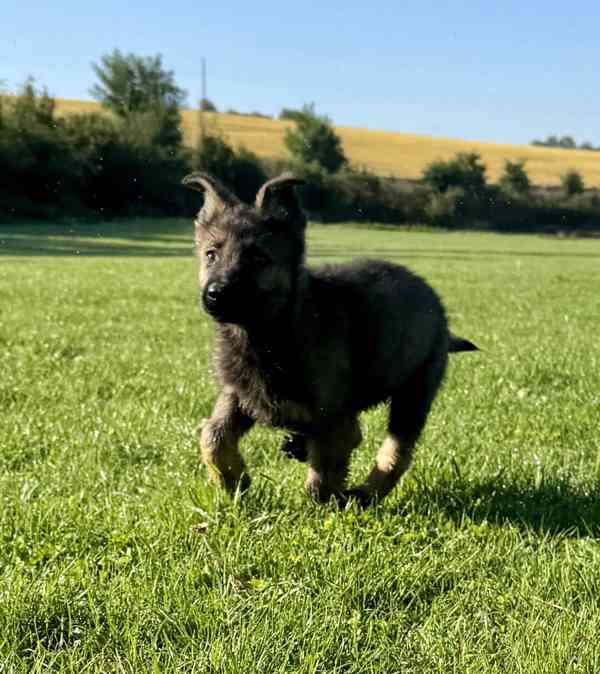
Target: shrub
252, 113
465, 171
241, 170
41, 174
514, 178
248, 174
214, 155
82, 164
125, 174
366, 196
444, 208
314, 140
572, 183
354, 194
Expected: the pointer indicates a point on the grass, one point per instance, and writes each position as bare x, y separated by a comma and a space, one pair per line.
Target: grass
403, 155
116, 556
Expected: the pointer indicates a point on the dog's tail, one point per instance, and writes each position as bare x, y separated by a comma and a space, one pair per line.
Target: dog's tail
459, 344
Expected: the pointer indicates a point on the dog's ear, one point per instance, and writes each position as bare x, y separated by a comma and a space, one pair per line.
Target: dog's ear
216, 196
278, 197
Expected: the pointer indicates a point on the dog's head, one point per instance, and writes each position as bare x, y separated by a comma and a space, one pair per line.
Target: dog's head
250, 256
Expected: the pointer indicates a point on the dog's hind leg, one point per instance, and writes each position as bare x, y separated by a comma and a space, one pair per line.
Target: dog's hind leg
328, 456
295, 447
219, 438
409, 408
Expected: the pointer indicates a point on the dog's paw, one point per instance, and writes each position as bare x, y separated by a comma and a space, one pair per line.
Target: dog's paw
294, 447
358, 495
235, 485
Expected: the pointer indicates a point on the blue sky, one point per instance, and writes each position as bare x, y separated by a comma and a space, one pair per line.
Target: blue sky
505, 72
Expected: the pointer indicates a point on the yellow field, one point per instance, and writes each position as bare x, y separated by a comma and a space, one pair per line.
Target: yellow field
403, 155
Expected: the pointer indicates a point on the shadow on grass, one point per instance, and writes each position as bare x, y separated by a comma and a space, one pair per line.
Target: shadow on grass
552, 506
167, 238
174, 238
446, 253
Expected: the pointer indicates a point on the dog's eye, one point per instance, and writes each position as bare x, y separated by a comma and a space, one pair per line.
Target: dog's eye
210, 255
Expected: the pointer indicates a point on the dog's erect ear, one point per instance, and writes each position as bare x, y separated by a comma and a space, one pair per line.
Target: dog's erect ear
279, 197
216, 196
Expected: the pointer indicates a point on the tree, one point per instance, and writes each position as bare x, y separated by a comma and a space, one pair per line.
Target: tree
564, 142
40, 170
572, 183
290, 113
568, 143
206, 105
32, 108
240, 169
465, 171
514, 179
140, 91
130, 83
314, 140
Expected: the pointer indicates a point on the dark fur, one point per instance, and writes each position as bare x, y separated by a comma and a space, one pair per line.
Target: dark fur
309, 349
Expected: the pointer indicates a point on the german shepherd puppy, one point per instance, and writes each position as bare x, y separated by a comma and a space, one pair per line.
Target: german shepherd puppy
308, 349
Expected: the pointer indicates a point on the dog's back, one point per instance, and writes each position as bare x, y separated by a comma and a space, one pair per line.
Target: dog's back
369, 324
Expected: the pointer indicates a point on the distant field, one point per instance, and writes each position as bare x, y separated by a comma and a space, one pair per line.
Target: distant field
403, 155
116, 556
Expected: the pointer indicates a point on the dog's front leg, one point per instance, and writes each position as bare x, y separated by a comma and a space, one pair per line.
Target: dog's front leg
219, 438
328, 456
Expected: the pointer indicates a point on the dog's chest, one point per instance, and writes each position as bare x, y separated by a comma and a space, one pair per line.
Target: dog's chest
294, 415
273, 406
270, 388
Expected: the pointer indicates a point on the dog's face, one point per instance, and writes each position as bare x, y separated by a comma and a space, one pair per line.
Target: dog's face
249, 256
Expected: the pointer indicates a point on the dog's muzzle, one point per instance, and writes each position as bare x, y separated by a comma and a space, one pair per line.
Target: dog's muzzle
212, 297
222, 302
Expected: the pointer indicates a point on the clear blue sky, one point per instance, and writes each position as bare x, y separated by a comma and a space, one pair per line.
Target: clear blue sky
506, 72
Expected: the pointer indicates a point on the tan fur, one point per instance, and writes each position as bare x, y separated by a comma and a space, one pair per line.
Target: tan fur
219, 438
393, 460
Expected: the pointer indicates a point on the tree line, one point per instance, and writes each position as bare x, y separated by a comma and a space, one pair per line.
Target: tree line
565, 143
131, 163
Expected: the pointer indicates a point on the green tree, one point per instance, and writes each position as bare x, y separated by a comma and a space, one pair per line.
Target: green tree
290, 113
41, 173
206, 105
514, 178
465, 171
32, 108
140, 91
314, 140
572, 183
240, 169
567, 142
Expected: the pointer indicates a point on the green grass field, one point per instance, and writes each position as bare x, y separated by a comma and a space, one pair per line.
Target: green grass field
116, 556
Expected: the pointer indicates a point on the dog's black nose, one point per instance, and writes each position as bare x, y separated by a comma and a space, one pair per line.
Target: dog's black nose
213, 291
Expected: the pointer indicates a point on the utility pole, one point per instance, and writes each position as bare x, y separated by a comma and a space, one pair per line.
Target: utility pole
203, 99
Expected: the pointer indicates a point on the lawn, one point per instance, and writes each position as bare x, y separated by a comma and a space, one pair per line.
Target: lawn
116, 556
